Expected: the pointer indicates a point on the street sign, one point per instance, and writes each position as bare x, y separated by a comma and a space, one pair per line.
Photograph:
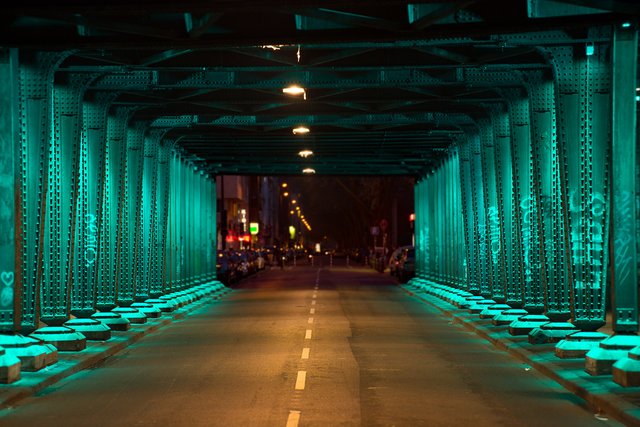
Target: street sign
254, 228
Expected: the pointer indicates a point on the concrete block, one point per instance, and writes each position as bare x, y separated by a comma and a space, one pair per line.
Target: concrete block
578, 344
63, 338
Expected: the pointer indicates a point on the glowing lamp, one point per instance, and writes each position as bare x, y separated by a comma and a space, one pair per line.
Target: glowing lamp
301, 130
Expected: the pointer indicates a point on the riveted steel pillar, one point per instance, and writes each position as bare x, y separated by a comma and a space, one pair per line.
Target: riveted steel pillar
160, 257
466, 196
492, 218
146, 238
65, 278
212, 228
455, 215
127, 248
440, 254
527, 203
427, 231
36, 99
418, 195
546, 155
10, 166
175, 241
193, 234
479, 216
508, 275
624, 181
88, 218
520, 278
112, 218
60, 261
583, 110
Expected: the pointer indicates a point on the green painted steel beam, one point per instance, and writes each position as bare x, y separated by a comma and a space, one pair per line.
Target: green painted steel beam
9, 178
624, 163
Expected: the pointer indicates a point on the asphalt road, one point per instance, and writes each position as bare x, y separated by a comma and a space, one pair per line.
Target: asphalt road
356, 351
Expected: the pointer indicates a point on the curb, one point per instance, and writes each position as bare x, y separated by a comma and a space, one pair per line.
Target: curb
581, 384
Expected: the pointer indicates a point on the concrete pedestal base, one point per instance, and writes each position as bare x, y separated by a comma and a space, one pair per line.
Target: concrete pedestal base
112, 320
626, 371
416, 283
599, 360
9, 367
508, 316
493, 310
30, 351
578, 344
551, 332
467, 302
51, 353
526, 324
189, 296
131, 314
92, 329
63, 338
476, 307
173, 302
460, 297
441, 291
149, 310
161, 304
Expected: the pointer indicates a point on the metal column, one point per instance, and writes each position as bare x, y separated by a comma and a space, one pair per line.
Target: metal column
624, 177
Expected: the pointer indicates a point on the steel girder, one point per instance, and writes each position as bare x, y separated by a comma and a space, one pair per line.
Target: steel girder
624, 185
36, 138
10, 270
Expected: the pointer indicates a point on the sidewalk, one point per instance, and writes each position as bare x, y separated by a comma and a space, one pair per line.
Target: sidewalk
601, 392
96, 352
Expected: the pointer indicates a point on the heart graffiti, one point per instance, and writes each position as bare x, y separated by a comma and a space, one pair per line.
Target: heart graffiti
7, 278
6, 294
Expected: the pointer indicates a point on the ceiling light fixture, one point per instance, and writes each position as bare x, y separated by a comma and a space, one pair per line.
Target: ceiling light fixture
301, 130
295, 90
305, 153
308, 170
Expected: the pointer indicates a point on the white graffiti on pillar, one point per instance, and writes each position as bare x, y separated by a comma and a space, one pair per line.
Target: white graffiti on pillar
525, 206
623, 230
91, 239
6, 293
590, 220
494, 234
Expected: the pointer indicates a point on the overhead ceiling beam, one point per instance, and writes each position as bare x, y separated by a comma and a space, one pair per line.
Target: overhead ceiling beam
336, 56
163, 56
266, 54
436, 15
197, 26
351, 19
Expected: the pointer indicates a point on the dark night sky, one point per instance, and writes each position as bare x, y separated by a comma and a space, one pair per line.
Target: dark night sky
345, 208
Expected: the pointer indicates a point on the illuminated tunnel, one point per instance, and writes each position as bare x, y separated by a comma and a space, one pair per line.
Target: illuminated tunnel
519, 129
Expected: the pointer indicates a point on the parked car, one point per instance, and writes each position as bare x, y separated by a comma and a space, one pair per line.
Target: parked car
407, 266
226, 268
